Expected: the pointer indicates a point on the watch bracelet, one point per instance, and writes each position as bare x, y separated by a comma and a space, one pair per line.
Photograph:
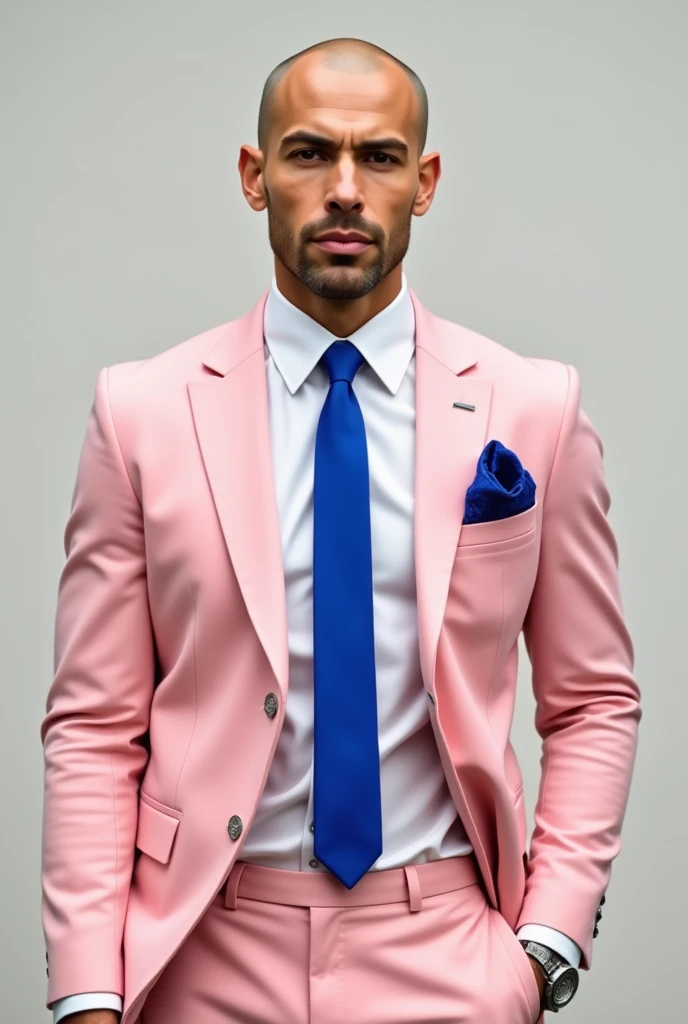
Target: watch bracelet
557, 961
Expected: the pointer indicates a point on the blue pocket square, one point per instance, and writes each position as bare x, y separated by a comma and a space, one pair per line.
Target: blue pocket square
502, 487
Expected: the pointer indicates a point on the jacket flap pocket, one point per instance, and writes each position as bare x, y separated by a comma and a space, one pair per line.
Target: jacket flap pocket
157, 828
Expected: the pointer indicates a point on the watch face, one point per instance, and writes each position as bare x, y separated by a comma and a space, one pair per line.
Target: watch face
564, 988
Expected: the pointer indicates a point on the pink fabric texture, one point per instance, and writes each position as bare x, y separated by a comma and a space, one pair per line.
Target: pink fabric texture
171, 621
309, 953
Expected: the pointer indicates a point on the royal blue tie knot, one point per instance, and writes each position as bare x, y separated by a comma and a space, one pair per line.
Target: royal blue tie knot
342, 360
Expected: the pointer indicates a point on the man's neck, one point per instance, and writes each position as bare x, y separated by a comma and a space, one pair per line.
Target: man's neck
340, 317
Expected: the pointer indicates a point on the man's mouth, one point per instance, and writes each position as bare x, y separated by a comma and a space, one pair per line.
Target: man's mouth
343, 242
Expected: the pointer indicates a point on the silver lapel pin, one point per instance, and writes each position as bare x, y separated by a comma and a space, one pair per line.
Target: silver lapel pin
464, 405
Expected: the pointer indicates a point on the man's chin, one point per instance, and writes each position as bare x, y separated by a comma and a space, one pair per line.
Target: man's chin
340, 282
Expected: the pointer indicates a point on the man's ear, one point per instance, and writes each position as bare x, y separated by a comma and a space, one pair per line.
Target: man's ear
251, 165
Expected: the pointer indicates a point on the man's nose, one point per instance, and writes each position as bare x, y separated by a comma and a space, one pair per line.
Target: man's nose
345, 193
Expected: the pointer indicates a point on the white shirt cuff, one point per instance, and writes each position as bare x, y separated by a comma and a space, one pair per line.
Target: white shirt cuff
86, 1001
556, 940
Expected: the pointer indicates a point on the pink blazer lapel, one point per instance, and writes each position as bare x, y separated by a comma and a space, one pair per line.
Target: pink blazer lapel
230, 410
231, 417
449, 441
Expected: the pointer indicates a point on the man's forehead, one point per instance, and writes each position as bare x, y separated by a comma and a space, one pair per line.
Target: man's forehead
336, 94
343, 121
341, 125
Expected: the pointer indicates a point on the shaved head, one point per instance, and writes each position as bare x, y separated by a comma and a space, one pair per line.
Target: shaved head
341, 171
355, 56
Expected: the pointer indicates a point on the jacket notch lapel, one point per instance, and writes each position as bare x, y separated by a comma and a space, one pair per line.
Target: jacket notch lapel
232, 425
231, 418
449, 441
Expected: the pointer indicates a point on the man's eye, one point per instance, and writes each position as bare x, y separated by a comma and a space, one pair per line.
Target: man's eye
303, 153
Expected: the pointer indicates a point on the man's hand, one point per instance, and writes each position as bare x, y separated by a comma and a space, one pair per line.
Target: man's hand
92, 1017
537, 971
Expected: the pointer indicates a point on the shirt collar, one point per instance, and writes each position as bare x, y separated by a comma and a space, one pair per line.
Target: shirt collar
296, 342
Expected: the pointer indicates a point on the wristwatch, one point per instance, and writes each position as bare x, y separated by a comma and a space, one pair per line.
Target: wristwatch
561, 979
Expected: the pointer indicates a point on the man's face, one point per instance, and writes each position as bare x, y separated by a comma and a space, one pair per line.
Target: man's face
327, 181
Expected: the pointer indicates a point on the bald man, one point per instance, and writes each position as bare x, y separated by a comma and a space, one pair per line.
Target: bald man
302, 548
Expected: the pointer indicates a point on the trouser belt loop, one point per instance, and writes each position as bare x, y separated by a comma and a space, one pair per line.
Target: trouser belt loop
233, 884
413, 883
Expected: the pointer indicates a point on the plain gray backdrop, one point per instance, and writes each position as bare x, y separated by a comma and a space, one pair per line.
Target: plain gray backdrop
559, 228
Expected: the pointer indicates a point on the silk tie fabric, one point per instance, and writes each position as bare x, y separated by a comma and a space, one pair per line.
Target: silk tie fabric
346, 758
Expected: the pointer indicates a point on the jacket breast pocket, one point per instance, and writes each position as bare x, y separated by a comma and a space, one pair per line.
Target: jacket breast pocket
157, 827
491, 582
498, 534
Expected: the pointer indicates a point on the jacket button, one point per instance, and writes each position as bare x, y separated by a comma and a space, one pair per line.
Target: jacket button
235, 826
270, 705
432, 699
47, 971
603, 900
596, 932
598, 915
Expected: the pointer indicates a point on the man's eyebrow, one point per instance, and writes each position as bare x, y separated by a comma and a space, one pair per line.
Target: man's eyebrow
323, 142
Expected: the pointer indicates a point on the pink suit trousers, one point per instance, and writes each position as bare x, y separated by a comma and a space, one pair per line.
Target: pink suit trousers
413, 945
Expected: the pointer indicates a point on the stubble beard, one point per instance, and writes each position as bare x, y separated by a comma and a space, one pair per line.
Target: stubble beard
342, 278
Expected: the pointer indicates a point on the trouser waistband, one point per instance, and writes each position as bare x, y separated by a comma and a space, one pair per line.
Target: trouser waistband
323, 889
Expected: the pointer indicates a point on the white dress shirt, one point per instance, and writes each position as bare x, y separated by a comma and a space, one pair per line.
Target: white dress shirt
420, 822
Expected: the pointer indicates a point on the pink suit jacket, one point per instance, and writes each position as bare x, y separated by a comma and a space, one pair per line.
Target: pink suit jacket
171, 645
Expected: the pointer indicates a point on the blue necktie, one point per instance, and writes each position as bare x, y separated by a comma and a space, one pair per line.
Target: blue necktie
346, 770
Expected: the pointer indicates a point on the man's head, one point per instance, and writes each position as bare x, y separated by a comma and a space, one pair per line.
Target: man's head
316, 171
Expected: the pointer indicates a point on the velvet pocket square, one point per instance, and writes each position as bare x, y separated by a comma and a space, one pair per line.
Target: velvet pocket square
502, 487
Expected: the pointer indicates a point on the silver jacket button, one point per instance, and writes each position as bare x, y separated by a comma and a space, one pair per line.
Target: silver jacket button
235, 826
270, 705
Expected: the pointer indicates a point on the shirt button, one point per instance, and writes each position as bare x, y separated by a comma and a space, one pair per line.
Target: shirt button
313, 863
312, 826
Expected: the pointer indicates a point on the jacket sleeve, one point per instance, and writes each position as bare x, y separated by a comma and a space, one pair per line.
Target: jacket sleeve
588, 703
97, 713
